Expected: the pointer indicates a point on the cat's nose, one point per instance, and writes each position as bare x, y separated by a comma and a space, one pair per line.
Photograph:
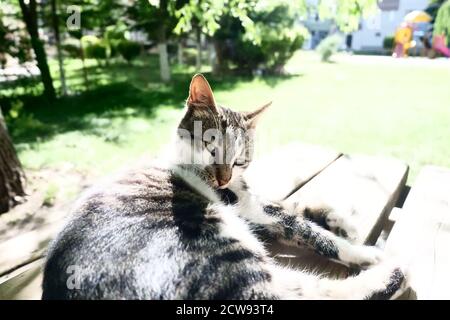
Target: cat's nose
223, 176
222, 183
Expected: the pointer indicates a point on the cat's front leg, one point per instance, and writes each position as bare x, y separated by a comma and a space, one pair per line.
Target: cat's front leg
384, 281
296, 231
332, 219
271, 220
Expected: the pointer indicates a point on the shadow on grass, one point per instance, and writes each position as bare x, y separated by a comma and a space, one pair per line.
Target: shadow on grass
273, 81
118, 91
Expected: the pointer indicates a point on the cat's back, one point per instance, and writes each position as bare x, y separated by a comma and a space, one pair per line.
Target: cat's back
123, 235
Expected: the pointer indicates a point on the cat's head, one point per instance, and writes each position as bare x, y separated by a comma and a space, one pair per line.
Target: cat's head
214, 140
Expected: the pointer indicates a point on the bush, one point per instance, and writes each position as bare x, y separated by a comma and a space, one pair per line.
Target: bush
329, 46
96, 51
94, 47
278, 46
275, 38
129, 50
112, 37
388, 43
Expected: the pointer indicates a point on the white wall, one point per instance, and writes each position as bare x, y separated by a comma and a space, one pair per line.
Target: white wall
384, 24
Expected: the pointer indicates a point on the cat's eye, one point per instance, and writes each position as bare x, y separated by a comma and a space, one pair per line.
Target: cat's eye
239, 164
210, 147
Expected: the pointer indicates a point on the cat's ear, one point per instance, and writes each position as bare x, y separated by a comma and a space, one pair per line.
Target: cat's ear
253, 116
200, 93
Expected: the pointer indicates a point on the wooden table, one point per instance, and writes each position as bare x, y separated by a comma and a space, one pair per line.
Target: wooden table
370, 189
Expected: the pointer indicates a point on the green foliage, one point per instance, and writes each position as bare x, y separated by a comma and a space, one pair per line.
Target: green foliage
21, 122
50, 195
274, 39
129, 50
329, 46
156, 18
112, 36
442, 23
388, 43
346, 13
96, 51
94, 47
207, 15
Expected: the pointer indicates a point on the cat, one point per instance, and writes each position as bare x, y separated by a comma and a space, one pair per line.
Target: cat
192, 229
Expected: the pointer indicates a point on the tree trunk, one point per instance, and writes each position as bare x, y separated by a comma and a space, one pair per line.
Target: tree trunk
29, 13
164, 66
11, 174
55, 21
83, 62
198, 60
220, 63
164, 62
180, 52
213, 57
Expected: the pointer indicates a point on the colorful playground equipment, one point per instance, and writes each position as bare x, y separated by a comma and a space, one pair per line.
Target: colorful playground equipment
417, 16
403, 40
413, 24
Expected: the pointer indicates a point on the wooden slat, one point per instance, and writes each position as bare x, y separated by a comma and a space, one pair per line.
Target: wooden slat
23, 283
421, 234
279, 174
26, 248
365, 188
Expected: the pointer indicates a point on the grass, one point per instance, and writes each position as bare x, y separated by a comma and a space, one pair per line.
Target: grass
378, 109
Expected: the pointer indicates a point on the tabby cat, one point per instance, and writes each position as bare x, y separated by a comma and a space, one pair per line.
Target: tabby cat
192, 229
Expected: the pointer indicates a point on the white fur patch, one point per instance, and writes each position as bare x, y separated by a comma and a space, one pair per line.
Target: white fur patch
251, 209
236, 228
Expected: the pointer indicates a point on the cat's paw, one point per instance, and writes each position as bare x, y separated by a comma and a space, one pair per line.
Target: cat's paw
394, 282
347, 231
342, 227
362, 256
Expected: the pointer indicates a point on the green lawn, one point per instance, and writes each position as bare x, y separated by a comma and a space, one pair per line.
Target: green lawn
378, 109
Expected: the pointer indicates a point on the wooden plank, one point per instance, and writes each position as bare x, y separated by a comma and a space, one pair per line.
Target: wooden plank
365, 188
277, 175
26, 248
421, 234
23, 283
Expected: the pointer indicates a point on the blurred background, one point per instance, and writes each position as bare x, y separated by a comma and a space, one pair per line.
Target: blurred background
90, 86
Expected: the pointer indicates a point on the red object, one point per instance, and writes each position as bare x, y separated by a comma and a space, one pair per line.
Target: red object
439, 45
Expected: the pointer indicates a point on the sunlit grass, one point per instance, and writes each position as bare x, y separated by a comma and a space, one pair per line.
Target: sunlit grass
389, 110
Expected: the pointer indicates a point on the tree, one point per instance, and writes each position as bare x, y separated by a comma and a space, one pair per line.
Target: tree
208, 17
164, 66
55, 24
222, 19
275, 36
442, 24
11, 174
157, 18
30, 18
347, 14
